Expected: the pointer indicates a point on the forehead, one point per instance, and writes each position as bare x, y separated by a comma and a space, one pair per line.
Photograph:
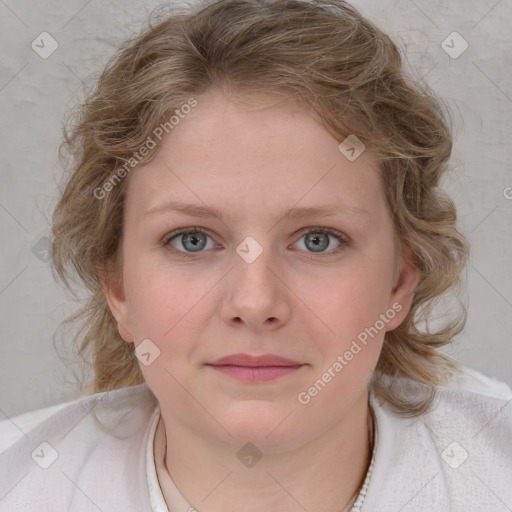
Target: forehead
261, 154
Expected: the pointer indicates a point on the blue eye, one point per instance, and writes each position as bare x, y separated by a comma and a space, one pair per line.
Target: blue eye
194, 240
191, 239
317, 239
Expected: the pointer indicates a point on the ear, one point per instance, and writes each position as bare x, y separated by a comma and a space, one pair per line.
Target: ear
114, 293
402, 293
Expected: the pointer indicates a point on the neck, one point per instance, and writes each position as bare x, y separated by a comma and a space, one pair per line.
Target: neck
324, 475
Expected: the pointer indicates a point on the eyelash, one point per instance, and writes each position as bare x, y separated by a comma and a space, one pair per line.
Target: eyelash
341, 237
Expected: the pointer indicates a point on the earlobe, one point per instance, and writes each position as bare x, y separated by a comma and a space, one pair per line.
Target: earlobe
125, 333
114, 294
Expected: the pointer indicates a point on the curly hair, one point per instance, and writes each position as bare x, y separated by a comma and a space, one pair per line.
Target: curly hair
339, 65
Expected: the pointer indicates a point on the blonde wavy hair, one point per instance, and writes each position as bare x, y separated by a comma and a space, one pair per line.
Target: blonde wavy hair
336, 63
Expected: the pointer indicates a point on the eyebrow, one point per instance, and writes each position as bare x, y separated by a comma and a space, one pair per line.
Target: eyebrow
201, 211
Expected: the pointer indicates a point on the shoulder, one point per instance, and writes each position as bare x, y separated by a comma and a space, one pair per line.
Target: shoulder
72, 458
475, 381
457, 456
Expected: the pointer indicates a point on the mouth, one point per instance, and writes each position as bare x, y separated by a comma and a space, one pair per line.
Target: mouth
248, 368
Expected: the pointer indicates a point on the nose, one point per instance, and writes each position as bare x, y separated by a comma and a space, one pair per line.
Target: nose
256, 295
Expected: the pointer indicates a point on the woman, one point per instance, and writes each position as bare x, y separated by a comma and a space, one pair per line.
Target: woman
255, 209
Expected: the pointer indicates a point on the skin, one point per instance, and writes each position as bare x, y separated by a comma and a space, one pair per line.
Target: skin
253, 164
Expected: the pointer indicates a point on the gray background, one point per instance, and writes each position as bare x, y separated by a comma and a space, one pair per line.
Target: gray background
35, 93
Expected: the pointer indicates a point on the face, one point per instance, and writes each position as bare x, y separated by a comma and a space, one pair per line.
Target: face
318, 289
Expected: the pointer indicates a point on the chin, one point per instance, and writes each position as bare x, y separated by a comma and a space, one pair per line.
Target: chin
271, 431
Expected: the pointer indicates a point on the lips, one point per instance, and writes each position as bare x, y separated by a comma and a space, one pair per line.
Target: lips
255, 369
255, 361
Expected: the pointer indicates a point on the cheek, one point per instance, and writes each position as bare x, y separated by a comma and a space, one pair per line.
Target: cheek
170, 309
354, 308
353, 297
158, 295
351, 308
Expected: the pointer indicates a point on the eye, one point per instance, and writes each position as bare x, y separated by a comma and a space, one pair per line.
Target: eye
317, 240
193, 239
187, 241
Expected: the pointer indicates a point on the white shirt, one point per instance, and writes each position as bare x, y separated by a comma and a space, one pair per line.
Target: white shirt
456, 458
